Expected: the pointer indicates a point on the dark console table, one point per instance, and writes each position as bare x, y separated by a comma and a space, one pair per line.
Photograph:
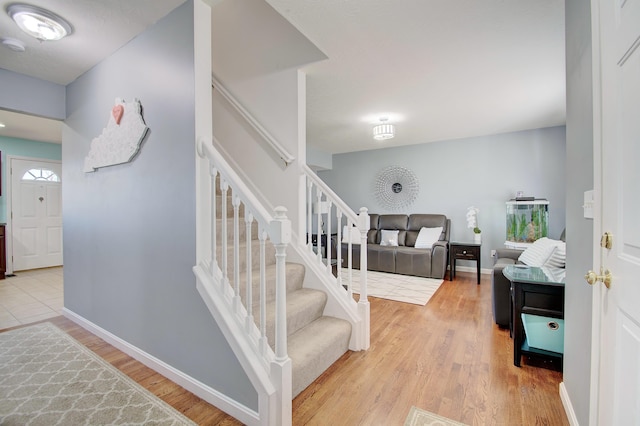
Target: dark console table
463, 251
535, 291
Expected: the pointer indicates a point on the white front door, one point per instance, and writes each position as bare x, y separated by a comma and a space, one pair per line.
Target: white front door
36, 212
615, 397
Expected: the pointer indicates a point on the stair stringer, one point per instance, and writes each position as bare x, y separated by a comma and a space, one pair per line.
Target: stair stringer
339, 304
218, 299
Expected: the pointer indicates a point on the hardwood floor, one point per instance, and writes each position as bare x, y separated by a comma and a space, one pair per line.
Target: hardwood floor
447, 357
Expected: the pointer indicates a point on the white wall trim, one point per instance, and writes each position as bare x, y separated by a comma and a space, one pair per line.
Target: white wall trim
212, 396
568, 408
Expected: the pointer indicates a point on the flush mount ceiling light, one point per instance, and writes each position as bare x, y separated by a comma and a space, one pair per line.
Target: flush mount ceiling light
383, 130
39, 23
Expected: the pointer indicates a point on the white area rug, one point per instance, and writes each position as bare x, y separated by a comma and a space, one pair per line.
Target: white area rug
401, 288
48, 378
418, 417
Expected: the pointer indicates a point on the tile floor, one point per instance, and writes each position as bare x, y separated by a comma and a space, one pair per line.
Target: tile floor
31, 296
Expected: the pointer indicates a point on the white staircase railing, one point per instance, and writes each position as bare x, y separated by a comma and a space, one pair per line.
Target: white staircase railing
219, 283
322, 203
271, 141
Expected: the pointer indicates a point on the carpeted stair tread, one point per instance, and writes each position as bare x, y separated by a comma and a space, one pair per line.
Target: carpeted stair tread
242, 230
315, 342
294, 275
270, 256
303, 307
315, 347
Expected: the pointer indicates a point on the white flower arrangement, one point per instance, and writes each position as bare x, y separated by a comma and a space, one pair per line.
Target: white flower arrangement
472, 219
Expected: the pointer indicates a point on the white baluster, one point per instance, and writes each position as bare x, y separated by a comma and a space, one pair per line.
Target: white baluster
248, 219
309, 212
236, 252
225, 261
213, 266
264, 344
349, 260
318, 222
328, 243
339, 246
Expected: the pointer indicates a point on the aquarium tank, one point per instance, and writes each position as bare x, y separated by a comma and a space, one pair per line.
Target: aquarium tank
527, 221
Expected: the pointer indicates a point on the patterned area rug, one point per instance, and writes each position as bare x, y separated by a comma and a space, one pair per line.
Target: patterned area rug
418, 417
401, 288
48, 378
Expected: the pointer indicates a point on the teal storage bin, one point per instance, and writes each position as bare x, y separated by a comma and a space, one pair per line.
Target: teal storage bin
544, 332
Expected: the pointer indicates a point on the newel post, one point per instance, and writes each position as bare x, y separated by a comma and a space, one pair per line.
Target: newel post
281, 237
363, 302
281, 369
363, 227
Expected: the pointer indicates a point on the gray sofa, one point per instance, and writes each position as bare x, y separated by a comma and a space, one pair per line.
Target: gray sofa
405, 258
501, 286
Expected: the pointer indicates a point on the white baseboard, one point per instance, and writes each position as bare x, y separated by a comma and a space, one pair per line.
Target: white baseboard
568, 408
213, 397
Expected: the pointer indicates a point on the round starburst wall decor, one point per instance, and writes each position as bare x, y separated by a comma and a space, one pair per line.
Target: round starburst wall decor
396, 187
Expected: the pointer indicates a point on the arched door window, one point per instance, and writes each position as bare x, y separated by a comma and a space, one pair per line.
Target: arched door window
41, 174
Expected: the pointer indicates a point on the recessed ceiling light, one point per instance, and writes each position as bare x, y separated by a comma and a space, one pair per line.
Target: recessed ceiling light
13, 44
2, 125
39, 23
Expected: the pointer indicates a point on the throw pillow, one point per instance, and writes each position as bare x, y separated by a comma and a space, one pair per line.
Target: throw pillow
352, 235
428, 236
559, 256
538, 253
389, 238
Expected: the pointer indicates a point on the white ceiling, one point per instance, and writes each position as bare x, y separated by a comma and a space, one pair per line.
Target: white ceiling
439, 69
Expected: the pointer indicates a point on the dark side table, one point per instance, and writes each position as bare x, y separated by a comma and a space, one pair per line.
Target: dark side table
463, 251
535, 291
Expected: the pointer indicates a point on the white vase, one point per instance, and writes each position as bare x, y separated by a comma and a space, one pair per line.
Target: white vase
477, 238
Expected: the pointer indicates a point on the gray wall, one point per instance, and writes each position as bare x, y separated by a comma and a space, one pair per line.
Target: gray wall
129, 230
30, 95
483, 171
578, 295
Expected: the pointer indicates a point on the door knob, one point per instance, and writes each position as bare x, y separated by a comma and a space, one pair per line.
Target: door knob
604, 277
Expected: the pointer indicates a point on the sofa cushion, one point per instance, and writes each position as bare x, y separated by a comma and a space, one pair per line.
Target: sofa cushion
538, 253
413, 261
389, 238
419, 221
372, 236
381, 258
559, 256
392, 222
427, 237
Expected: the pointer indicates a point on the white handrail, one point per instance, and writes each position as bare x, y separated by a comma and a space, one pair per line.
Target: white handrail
205, 149
287, 157
335, 199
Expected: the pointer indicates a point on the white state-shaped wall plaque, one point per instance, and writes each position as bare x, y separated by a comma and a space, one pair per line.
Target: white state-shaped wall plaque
120, 141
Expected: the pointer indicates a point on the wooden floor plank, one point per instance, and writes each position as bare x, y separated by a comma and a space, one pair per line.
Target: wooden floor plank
447, 357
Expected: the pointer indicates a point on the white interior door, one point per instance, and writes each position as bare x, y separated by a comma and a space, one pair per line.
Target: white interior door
36, 214
616, 336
